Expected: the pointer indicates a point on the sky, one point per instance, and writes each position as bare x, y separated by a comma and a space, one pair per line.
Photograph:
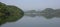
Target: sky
33, 4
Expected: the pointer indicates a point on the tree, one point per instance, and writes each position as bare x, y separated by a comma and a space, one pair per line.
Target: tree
9, 13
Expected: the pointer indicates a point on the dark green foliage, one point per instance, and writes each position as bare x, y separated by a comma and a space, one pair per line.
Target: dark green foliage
9, 13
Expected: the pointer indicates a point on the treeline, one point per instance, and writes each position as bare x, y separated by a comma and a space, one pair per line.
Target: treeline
49, 13
9, 13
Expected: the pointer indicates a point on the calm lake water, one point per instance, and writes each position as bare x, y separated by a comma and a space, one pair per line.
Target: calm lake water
34, 21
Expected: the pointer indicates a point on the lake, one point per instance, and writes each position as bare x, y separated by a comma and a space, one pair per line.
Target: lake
34, 21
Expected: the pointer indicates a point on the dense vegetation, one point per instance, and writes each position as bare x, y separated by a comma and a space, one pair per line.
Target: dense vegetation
9, 13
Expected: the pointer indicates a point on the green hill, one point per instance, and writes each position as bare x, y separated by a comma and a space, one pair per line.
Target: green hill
9, 13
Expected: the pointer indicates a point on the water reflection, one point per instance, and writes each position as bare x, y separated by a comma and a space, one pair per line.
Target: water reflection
29, 21
46, 16
9, 13
48, 13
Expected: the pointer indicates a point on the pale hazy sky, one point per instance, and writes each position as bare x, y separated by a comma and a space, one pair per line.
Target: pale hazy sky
33, 4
